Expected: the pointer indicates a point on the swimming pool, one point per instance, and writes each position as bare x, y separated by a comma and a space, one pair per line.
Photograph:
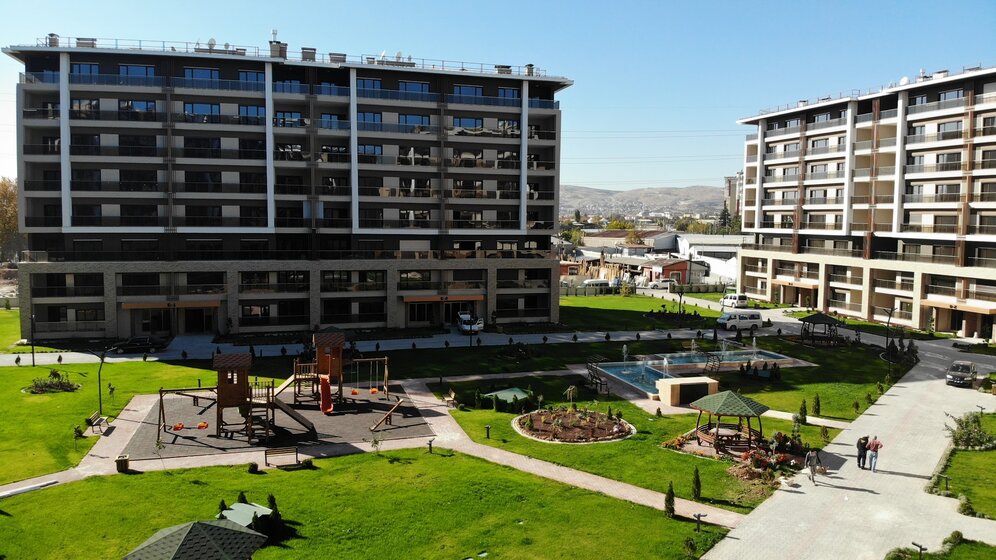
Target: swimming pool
679, 358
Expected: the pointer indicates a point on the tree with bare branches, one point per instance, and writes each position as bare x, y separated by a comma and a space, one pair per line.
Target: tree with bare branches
8, 211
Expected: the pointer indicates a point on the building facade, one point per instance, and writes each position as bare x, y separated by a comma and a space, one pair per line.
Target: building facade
181, 188
879, 206
732, 191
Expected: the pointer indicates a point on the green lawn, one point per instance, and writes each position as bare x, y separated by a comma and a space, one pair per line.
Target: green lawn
754, 303
405, 504
639, 460
618, 313
973, 473
842, 376
10, 333
36, 436
965, 550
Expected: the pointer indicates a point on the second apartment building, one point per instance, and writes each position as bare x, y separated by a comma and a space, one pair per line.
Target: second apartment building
177, 188
879, 206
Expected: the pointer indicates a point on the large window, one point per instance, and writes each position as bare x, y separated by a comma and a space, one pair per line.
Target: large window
136, 110
252, 76
471, 91
951, 95
84, 68
367, 83
200, 73
137, 145
949, 162
84, 108
137, 70
468, 122
369, 153
949, 130
414, 87
289, 119
252, 114
202, 112
368, 121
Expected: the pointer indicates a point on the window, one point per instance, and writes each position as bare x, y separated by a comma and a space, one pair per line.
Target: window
471, 91
289, 86
289, 152
916, 161
200, 73
202, 181
136, 70
988, 159
949, 130
85, 179
918, 100
369, 153
84, 108
414, 87
508, 93
51, 144
792, 148
289, 119
917, 133
137, 145
202, 112
820, 143
468, 122
85, 144
820, 169
368, 121
790, 172
792, 123
821, 117
84, 68
508, 126
252, 76
413, 120
951, 95
201, 147
949, 162
419, 313
367, 83
252, 148
136, 110
251, 114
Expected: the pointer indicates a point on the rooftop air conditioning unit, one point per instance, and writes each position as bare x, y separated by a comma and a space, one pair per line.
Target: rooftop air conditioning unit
278, 49
308, 54
337, 57
941, 74
53, 39
86, 42
802, 103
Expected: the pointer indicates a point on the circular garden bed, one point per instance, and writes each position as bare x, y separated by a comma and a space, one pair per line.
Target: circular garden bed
567, 425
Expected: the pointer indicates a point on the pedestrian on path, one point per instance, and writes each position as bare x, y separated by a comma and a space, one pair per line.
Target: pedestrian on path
813, 462
862, 451
873, 446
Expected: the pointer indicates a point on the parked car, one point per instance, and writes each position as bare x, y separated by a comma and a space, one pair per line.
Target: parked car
738, 301
469, 324
961, 373
734, 320
137, 344
595, 283
661, 284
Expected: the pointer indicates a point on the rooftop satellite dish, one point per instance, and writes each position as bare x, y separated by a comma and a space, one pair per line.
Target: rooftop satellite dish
904, 80
212, 43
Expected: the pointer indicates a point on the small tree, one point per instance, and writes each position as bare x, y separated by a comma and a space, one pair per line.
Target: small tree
869, 399
222, 506
816, 404
802, 412
856, 406
669, 500
242, 498
6, 304
696, 484
825, 434
691, 547
571, 393
17, 361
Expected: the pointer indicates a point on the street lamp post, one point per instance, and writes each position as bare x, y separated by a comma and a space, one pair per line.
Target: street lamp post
32, 340
888, 332
100, 389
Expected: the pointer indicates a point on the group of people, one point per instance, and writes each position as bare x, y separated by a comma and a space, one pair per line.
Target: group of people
867, 453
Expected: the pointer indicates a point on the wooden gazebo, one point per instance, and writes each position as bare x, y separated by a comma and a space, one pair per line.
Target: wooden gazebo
730, 404
812, 323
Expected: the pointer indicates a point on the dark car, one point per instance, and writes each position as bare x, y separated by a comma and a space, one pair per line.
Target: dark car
961, 373
137, 344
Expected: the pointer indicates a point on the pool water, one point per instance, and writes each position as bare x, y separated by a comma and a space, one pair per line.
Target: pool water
644, 374
728, 356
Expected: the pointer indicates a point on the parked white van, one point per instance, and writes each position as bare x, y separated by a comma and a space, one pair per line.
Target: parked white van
733, 320
738, 301
595, 283
469, 324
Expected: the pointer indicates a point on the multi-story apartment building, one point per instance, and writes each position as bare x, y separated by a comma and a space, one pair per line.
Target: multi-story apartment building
880, 206
182, 188
732, 192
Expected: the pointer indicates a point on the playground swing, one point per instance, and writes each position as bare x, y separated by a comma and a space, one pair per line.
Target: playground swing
356, 379
370, 382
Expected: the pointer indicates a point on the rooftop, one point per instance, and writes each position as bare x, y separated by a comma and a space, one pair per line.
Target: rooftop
904, 83
276, 51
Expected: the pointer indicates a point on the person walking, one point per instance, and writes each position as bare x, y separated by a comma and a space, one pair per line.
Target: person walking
873, 446
813, 462
862, 451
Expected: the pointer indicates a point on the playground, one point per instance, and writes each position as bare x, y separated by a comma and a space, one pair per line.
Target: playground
331, 397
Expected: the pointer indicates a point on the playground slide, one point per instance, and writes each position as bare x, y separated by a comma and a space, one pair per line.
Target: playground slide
295, 415
326, 393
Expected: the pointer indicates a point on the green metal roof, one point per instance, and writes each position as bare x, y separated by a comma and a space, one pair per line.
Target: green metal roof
821, 319
242, 513
728, 403
507, 394
218, 539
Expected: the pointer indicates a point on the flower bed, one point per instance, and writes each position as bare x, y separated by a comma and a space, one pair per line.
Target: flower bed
569, 425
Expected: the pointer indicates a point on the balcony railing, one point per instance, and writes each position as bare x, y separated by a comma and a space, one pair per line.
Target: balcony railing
929, 198
43, 221
349, 318
143, 290
777, 225
984, 229
781, 178
752, 136
983, 262
521, 284
756, 268
826, 124
118, 151
837, 304
781, 155
282, 255
832, 251
220, 153
225, 85
332, 124
847, 279
829, 226
199, 289
353, 286
949, 135
68, 326
41, 149
983, 295
778, 202
985, 164
396, 128
116, 80
67, 291
219, 119
915, 257
929, 228
830, 149
274, 288
229, 188
781, 131
328, 89
282, 320
425, 97
893, 285
43, 185
44, 77
119, 221
755, 290
767, 247
219, 221
936, 167
941, 290
822, 175
937, 105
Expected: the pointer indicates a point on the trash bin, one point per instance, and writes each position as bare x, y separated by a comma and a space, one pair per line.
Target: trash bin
122, 463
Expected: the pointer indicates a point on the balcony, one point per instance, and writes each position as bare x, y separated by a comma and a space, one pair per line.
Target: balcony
223, 85
778, 202
826, 226
282, 255
465, 285
522, 284
41, 149
228, 188
982, 295
752, 158
781, 155
756, 268
823, 175
777, 225
219, 119
782, 131
484, 100
767, 247
856, 253
983, 262
290, 87
292, 222
933, 198
396, 95
332, 124
824, 200
984, 197
928, 228
353, 286
274, 288
42, 327
985, 164
933, 289
915, 257
826, 124
350, 318
984, 229
283, 320
328, 89
885, 284
407, 285
850, 279
847, 306
818, 150
219, 153
782, 178
43, 221
396, 128
66, 291
116, 80
755, 290
937, 137
143, 290
56, 185
414, 223
116, 186
44, 77
752, 137
936, 106
118, 151
333, 223
200, 289
119, 221
936, 167
219, 221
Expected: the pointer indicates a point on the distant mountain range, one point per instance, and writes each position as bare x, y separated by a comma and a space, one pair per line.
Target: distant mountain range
696, 199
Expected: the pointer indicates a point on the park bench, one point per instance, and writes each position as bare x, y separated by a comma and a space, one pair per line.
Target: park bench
95, 421
450, 399
281, 452
594, 380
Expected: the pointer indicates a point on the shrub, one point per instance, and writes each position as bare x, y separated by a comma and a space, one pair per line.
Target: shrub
856, 406
17, 361
669, 500
283, 350
253, 468
6, 304
690, 547
608, 337
825, 434
145, 357
954, 539
242, 498
183, 354
816, 405
658, 413
968, 432
879, 387
529, 423
308, 463
696, 484
802, 412
869, 399
222, 506
78, 432
669, 335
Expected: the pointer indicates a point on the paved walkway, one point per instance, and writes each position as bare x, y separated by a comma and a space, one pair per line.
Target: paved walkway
856, 514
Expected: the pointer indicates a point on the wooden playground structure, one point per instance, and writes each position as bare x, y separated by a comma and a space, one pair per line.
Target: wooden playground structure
320, 379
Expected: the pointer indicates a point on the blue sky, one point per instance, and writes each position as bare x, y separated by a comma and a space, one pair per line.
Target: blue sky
658, 85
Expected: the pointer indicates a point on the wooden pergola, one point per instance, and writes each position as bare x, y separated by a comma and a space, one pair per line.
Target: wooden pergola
810, 323
730, 404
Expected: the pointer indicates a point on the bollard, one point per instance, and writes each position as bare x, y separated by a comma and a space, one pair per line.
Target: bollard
487, 431
946, 479
430, 445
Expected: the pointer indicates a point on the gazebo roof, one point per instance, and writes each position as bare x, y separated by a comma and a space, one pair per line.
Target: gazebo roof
821, 319
200, 540
728, 403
